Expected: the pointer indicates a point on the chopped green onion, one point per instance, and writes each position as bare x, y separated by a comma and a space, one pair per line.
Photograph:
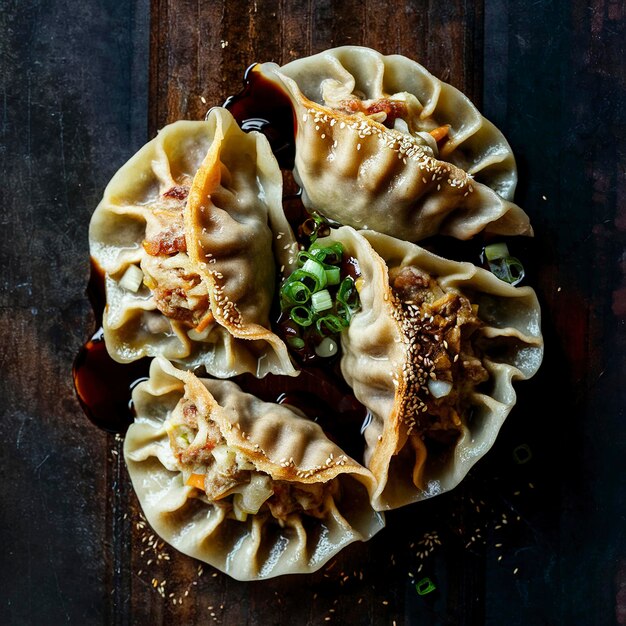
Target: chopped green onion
348, 301
297, 343
314, 227
132, 278
326, 348
301, 315
309, 227
331, 255
309, 280
424, 586
295, 292
321, 301
496, 251
317, 269
304, 256
309, 303
331, 324
509, 269
333, 276
347, 293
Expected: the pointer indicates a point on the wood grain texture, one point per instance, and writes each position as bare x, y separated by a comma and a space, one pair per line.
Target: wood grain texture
65, 129
200, 49
84, 84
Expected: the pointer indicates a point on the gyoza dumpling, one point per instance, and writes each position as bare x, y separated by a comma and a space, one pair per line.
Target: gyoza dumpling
248, 486
432, 354
383, 144
191, 235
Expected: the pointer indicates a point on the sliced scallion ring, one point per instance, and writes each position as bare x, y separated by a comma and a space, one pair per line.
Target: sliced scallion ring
317, 270
301, 315
333, 275
331, 255
295, 292
347, 293
326, 348
297, 343
321, 301
331, 324
496, 251
509, 269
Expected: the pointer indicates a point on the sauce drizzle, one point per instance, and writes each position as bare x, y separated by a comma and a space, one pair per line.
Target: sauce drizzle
103, 386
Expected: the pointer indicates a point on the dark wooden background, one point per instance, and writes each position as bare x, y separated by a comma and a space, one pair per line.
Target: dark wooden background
86, 83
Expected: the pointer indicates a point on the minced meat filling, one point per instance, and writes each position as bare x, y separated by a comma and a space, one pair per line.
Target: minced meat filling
165, 231
178, 291
443, 365
383, 110
221, 471
290, 498
169, 240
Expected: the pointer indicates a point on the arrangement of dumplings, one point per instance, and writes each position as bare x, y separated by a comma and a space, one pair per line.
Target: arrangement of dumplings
206, 275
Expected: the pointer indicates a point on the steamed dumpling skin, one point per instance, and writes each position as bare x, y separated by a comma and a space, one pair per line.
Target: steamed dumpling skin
395, 178
274, 445
197, 215
380, 362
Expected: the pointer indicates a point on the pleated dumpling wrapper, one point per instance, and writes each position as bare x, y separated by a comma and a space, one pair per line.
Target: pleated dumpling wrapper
432, 353
383, 144
191, 236
248, 486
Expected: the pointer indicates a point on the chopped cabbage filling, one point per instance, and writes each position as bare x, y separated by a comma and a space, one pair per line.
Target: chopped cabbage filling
229, 478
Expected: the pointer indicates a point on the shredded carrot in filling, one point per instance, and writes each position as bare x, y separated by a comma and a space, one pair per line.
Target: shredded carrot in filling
207, 320
196, 480
440, 133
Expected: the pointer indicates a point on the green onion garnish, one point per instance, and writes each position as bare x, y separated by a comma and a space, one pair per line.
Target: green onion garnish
333, 276
321, 301
496, 251
327, 347
424, 586
316, 269
331, 255
301, 315
314, 227
297, 343
308, 279
501, 264
509, 269
331, 324
295, 292
347, 293
316, 298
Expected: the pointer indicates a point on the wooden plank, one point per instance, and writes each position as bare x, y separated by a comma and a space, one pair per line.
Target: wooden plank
200, 49
73, 111
540, 542
554, 71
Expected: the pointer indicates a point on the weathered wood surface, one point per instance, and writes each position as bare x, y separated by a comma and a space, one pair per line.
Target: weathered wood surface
86, 83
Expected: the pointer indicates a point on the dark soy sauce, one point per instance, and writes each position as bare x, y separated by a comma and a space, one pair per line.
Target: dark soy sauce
103, 386
263, 106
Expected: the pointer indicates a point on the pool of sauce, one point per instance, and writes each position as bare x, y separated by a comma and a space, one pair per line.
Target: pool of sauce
262, 106
103, 386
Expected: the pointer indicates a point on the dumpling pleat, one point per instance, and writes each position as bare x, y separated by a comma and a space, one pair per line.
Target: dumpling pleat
273, 442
